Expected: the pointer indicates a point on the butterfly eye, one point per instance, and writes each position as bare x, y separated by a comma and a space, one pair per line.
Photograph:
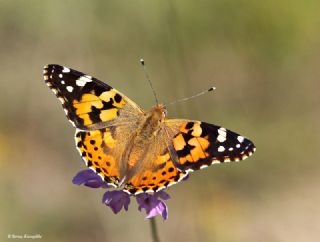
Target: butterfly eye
165, 112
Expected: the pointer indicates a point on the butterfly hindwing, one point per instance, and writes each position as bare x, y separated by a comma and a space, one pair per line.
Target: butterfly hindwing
159, 174
102, 149
92, 147
88, 103
199, 144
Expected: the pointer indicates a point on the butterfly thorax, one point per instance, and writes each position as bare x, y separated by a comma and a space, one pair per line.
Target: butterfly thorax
151, 124
135, 158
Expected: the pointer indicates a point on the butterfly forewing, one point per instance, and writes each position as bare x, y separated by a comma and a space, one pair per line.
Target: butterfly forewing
199, 144
88, 103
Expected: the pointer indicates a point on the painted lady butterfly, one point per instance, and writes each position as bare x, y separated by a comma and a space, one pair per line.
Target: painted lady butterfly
136, 150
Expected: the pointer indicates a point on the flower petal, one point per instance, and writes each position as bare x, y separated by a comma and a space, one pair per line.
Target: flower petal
159, 209
89, 178
153, 204
116, 200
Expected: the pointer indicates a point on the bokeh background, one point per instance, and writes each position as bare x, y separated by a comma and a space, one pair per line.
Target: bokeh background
263, 57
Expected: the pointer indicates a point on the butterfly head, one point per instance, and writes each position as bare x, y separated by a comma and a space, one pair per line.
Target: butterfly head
159, 112
156, 115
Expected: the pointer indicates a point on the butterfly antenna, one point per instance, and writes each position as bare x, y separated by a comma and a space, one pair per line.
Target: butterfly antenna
188, 98
147, 77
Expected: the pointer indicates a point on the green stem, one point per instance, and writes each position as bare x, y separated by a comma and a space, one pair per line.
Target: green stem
154, 232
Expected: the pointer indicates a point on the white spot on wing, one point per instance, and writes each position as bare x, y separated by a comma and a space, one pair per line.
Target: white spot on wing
60, 75
114, 185
61, 100
222, 134
238, 146
230, 149
221, 148
227, 160
160, 188
65, 70
244, 157
221, 138
215, 162
72, 123
240, 138
99, 174
171, 184
203, 166
182, 177
189, 170
126, 191
62, 82
80, 83
86, 78
69, 88
83, 80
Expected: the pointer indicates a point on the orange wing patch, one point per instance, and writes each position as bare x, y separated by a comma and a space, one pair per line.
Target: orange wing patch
192, 128
152, 180
92, 146
197, 152
94, 108
189, 144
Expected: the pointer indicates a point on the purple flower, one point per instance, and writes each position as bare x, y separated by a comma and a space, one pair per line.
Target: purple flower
89, 178
116, 200
153, 204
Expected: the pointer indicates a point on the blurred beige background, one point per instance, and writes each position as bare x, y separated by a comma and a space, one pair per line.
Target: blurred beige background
263, 57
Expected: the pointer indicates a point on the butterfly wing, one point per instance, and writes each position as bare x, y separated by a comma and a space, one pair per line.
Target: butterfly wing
101, 150
103, 116
89, 103
196, 145
156, 169
183, 146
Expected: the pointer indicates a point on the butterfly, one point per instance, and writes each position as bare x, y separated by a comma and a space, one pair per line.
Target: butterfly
132, 149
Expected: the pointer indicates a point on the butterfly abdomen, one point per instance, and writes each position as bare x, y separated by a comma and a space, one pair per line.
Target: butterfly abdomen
137, 150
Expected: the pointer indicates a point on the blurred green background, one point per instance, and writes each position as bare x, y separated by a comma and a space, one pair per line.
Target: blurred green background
263, 57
